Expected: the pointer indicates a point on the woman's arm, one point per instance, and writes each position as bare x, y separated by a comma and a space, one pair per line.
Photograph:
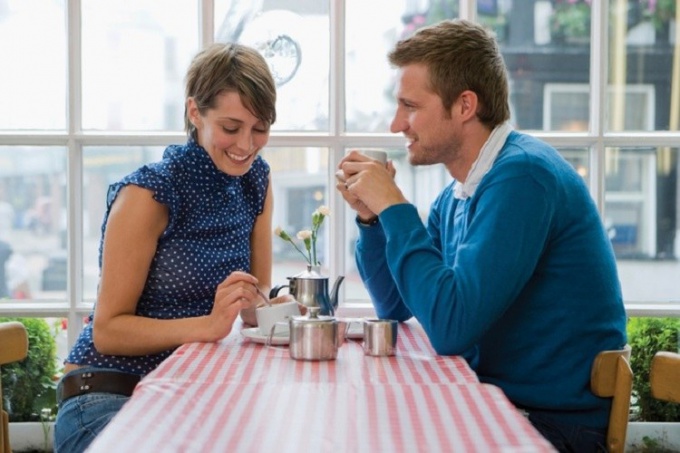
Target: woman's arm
261, 252
134, 225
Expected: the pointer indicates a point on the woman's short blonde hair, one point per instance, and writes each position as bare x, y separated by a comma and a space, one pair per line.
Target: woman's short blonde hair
230, 67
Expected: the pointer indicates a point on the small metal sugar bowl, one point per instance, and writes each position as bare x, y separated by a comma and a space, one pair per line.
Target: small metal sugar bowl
315, 337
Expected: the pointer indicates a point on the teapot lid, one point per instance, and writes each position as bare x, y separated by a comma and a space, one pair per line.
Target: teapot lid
312, 272
313, 317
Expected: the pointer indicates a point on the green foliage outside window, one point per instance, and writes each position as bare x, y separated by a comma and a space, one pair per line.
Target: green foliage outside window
570, 20
646, 337
28, 386
439, 10
660, 12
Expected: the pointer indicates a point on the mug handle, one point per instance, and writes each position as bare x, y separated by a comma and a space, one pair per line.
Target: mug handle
348, 323
270, 337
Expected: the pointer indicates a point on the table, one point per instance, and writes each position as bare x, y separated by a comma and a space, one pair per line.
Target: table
240, 396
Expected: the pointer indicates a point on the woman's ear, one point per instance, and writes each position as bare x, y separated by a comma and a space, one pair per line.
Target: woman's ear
193, 113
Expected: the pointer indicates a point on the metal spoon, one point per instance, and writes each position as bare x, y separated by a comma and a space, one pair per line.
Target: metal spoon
263, 295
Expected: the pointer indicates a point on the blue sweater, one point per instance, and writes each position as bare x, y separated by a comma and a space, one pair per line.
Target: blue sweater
520, 279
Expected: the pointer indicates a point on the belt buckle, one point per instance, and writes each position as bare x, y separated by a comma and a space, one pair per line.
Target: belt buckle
86, 375
78, 378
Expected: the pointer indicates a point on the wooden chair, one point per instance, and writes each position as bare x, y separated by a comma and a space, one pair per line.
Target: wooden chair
664, 376
13, 347
611, 377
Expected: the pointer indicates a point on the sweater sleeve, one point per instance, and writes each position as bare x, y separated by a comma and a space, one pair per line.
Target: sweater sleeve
504, 235
372, 265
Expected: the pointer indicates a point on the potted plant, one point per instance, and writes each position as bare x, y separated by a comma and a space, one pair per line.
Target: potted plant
29, 388
654, 424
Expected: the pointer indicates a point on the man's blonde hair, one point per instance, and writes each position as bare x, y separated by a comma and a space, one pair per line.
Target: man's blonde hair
460, 55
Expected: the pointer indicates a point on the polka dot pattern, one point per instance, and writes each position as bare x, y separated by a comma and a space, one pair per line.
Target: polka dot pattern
211, 218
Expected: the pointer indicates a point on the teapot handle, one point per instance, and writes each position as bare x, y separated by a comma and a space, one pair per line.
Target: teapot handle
275, 290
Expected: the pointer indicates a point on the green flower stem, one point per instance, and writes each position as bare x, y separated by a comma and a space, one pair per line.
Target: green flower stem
314, 261
308, 246
299, 251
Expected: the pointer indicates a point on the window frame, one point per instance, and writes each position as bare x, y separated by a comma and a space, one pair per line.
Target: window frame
337, 140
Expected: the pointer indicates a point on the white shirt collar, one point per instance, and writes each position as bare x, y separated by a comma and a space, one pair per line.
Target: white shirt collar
487, 155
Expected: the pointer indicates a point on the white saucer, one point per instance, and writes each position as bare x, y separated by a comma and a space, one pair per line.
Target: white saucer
356, 330
253, 333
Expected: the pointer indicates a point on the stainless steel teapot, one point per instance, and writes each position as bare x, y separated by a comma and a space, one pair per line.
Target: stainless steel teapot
310, 288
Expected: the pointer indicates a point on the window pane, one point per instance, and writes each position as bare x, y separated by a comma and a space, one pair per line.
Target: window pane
104, 165
300, 186
644, 79
372, 29
641, 205
536, 54
548, 57
33, 77
295, 42
32, 222
135, 55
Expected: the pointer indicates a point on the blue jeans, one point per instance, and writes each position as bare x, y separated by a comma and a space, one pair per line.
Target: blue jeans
567, 437
81, 418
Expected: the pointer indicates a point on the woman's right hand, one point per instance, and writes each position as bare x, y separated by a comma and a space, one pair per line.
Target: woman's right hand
237, 292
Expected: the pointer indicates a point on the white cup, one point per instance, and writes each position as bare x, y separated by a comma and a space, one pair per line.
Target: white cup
377, 154
267, 316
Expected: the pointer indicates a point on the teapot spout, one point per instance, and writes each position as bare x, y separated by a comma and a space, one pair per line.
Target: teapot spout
335, 290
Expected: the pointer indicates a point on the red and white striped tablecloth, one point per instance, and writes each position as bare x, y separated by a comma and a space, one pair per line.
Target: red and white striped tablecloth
240, 396
236, 359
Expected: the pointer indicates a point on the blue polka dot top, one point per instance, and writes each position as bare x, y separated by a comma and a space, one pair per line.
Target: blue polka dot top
211, 218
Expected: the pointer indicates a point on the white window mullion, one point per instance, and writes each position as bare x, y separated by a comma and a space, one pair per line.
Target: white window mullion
598, 95
206, 22
337, 132
74, 171
468, 9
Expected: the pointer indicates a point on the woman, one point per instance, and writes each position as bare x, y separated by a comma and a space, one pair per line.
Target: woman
186, 242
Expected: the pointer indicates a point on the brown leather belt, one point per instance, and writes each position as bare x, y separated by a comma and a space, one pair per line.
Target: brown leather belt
80, 383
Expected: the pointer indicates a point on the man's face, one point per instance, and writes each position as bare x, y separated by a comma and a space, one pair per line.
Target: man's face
430, 130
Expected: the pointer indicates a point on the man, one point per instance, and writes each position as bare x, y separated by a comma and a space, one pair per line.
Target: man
514, 269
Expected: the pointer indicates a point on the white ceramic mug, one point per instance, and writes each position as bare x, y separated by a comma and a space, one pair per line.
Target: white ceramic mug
377, 154
268, 315
373, 153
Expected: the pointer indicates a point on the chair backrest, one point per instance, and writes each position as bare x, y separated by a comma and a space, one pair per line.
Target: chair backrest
13, 347
612, 377
664, 376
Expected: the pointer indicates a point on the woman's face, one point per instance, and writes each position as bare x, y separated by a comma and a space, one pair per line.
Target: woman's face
230, 133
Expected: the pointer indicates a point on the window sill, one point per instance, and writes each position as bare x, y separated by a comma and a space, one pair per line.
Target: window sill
653, 309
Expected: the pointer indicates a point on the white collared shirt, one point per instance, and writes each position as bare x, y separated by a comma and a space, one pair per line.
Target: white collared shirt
484, 162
